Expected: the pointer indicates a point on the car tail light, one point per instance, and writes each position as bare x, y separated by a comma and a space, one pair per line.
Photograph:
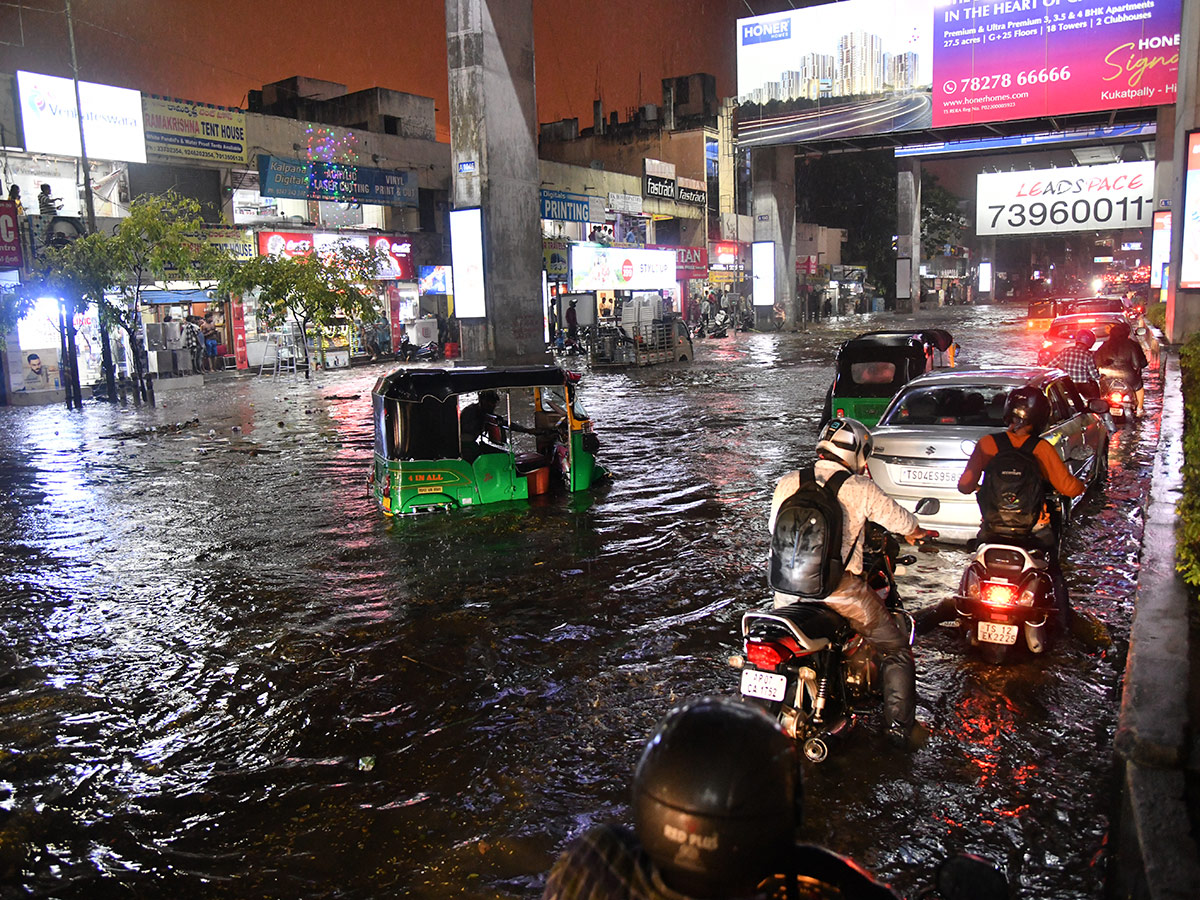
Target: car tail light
767, 654
997, 593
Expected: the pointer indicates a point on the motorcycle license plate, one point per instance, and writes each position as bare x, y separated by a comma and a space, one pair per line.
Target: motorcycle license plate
995, 633
764, 685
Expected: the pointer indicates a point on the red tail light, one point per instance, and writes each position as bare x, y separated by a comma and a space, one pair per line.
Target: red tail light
1115, 397
767, 654
997, 594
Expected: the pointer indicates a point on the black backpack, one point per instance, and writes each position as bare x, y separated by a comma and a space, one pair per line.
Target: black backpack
1013, 493
806, 543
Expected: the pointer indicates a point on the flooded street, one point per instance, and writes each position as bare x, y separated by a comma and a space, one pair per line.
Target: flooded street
224, 673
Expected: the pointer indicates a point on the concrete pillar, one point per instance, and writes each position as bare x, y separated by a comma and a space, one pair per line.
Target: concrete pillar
908, 243
1183, 307
773, 205
494, 165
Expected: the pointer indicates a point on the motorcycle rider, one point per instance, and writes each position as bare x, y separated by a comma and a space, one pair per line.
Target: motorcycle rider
1079, 363
1026, 413
846, 444
1124, 355
716, 803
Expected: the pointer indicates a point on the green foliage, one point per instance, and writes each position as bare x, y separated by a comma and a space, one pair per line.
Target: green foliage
941, 221
1187, 559
316, 289
1156, 315
855, 191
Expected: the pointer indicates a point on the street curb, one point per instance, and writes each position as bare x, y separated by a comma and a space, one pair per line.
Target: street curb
1157, 857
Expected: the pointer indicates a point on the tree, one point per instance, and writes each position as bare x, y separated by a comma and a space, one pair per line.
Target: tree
315, 290
941, 221
156, 243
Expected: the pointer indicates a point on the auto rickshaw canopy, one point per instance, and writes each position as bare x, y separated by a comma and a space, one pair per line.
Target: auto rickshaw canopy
416, 385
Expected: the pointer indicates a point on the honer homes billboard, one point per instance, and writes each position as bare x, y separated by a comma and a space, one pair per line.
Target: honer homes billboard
1073, 198
862, 67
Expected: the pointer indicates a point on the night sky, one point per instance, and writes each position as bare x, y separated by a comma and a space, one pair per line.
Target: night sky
215, 51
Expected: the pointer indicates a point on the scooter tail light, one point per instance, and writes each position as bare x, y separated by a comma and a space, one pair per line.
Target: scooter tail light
997, 593
767, 654
971, 584
1028, 595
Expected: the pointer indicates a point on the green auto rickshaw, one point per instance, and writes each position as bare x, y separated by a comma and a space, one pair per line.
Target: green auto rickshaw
424, 462
872, 367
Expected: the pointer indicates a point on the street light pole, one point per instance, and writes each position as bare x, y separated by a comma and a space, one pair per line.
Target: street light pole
87, 173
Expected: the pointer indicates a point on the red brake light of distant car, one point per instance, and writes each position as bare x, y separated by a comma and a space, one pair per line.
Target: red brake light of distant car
767, 654
998, 594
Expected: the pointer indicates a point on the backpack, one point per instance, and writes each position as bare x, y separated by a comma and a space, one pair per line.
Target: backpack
805, 558
1013, 493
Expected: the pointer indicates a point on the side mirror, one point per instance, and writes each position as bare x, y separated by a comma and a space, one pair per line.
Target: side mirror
1098, 406
930, 506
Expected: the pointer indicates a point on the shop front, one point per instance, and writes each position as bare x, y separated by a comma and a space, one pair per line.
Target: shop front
396, 289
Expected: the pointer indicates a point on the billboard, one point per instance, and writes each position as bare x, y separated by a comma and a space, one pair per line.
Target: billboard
1189, 258
397, 249
435, 280
10, 236
182, 130
863, 67
1160, 247
466, 258
299, 179
762, 258
112, 118
1075, 198
595, 268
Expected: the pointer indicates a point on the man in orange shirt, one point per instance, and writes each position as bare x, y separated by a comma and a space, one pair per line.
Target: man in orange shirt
1026, 413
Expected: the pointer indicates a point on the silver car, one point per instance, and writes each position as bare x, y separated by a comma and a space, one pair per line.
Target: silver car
928, 431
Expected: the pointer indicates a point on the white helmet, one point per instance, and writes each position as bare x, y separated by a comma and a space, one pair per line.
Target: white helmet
846, 441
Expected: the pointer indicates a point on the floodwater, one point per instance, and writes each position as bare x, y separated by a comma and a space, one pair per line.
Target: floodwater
223, 673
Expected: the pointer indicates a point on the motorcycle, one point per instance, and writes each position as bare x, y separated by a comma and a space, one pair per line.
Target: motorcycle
807, 666
1006, 592
410, 352
1120, 398
717, 328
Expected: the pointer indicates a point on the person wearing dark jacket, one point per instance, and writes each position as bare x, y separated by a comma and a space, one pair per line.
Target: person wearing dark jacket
1124, 356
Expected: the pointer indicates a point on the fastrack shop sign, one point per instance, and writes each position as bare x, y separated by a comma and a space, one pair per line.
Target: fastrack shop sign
1080, 198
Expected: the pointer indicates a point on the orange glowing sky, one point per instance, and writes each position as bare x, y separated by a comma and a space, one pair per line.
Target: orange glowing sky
215, 51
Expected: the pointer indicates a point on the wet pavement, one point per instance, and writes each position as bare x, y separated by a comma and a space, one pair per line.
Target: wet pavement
225, 674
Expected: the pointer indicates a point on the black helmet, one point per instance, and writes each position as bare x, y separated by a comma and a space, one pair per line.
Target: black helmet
1030, 406
715, 797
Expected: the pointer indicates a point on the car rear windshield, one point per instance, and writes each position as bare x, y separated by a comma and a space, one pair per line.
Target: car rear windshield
1068, 330
976, 404
1042, 309
1091, 306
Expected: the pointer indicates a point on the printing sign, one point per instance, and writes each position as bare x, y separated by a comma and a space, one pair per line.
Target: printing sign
1079, 198
560, 206
112, 118
594, 268
299, 179
179, 129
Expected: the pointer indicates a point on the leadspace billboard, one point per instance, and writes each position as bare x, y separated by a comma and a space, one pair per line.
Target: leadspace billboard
863, 67
1072, 198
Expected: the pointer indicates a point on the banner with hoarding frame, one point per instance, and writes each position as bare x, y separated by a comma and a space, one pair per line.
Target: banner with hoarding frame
1189, 255
112, 118
595, 268
1076, 198
822, 72
183, 129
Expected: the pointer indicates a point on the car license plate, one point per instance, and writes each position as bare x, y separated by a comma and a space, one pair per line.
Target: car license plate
995, 633
764, 685
919, 475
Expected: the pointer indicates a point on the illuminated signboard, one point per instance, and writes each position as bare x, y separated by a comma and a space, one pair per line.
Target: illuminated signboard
10, 236
762, 260
985, 278
466, 258
863, 67
397, 249
1189, 262
1079, 198
435, 280
180, 129
595, 268
1160, 246
112, 118
300, 179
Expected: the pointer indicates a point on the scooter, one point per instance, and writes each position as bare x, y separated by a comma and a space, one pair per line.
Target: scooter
1120, 398
807, 666
717, 328
410, 352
